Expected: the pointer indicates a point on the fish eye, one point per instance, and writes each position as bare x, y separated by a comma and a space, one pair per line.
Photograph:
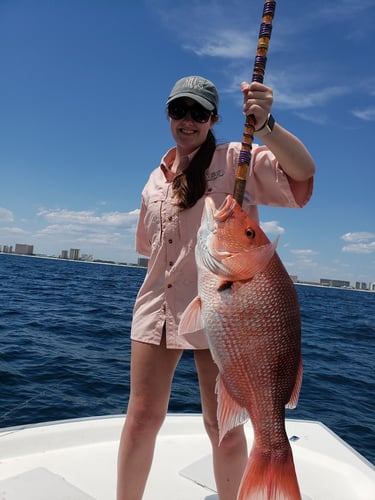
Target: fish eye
250, 233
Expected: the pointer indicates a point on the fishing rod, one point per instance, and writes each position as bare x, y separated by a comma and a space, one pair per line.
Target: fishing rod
258, 75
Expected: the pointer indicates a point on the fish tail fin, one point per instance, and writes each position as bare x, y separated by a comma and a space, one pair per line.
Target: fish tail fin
269, 476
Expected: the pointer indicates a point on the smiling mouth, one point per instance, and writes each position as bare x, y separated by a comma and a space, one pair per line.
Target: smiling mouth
188, 132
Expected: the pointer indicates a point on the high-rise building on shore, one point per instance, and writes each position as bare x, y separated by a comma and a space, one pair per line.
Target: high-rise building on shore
24, 249
74, 253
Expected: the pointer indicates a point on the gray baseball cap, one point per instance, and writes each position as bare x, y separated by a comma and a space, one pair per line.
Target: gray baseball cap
201, 90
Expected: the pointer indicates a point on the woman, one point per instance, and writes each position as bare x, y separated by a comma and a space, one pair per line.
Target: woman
281, 174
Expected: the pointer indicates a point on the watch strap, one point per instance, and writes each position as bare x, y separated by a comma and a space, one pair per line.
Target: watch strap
266, 128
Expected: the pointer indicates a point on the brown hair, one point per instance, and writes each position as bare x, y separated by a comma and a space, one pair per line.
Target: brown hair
190, 184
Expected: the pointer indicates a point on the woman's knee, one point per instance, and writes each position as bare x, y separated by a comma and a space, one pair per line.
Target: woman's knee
144, 420
232, 439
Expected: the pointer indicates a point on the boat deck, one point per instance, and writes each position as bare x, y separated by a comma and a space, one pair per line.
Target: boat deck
76, 460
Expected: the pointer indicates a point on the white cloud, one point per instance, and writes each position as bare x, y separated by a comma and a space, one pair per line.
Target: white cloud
369, 85
365, 114
358, 236
272, 227
109, 233
6, 215
58, 229
304, 262
304, 259
362, 248
303, 253
106, 235
12, 230
227, 33
359, 242
287, 94
226, 43
89, 218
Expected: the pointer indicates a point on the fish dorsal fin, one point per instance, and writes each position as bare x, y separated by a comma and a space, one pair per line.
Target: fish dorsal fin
246, 265
229, 413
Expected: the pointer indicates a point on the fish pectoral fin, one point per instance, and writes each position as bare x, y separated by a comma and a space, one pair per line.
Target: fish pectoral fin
191, 319
229, 413
297, 387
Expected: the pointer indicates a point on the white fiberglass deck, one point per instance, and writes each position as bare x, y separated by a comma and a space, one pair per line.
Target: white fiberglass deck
76, 460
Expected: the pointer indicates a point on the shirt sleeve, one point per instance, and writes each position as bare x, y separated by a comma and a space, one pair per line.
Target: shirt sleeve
142, 244
270, 185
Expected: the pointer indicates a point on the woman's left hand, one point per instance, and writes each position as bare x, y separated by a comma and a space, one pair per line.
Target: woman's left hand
258, 101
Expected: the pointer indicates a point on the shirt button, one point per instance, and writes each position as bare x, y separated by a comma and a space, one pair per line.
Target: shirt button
170, 263
170, 241
169, 286
170, 218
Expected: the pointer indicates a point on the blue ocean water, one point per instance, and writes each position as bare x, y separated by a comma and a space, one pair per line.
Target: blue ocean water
65, 350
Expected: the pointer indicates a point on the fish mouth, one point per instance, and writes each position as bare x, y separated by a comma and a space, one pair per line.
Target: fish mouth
221, 214
225, 210
209, 212
214, 216
205, 252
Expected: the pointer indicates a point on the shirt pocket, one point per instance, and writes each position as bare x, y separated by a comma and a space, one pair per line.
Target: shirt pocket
153, 218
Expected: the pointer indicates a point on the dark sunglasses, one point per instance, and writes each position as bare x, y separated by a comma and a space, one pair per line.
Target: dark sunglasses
178, 111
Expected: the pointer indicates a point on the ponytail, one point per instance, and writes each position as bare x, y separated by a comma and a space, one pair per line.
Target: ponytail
190, 184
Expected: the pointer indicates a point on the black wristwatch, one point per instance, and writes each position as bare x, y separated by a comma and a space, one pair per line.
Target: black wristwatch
267, 127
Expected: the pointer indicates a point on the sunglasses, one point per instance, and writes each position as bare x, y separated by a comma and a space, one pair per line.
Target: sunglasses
178, 111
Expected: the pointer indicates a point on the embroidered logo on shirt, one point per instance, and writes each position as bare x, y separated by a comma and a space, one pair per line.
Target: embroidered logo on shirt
211, 176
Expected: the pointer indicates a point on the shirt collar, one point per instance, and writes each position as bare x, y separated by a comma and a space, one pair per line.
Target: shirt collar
168, 159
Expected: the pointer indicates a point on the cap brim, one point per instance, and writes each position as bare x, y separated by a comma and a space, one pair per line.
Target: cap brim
200, 100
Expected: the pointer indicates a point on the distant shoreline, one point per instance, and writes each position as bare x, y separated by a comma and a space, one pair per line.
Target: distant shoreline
317, 285
125, 264
51, 257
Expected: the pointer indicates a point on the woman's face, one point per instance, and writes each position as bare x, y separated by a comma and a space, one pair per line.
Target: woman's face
188, 133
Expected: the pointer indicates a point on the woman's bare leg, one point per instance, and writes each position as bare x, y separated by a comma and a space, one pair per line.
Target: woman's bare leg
230, 458
152, 369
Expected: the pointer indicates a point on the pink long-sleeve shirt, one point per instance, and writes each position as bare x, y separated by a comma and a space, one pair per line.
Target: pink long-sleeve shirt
168, 235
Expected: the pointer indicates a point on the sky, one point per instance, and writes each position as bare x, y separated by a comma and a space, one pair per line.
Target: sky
83, 85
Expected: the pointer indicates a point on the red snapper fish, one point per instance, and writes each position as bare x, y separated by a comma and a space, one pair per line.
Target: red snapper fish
249, 310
